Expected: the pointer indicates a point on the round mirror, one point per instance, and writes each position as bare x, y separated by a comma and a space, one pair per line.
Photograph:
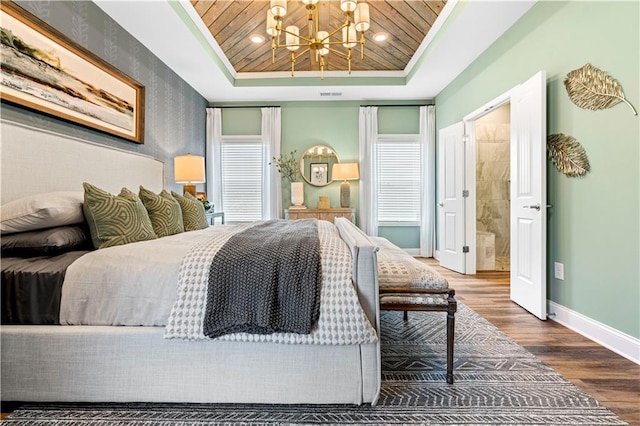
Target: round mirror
316, 164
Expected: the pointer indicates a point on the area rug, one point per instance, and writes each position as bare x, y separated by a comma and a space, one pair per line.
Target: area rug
497, 382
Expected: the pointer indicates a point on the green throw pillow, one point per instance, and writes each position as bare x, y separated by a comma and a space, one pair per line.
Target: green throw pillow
193, 215
115, 219
164, 211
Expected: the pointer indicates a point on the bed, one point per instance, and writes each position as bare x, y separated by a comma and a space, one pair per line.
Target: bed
123, 360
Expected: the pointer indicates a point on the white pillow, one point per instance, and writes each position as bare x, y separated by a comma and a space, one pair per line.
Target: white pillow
42, 211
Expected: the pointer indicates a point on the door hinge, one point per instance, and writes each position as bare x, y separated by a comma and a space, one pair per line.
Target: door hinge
465, 138
465, 249
465, 193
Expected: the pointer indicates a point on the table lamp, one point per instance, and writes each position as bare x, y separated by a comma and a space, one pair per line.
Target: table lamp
345, 171
189, 169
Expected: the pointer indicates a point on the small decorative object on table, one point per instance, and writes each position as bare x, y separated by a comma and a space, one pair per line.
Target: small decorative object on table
287, 166
202, 196
323, 202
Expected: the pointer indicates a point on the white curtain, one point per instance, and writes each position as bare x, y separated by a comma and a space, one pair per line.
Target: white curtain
367, 134
428, 150
271, 179
214, 158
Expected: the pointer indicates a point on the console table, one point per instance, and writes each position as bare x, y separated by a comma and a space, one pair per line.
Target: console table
321, 214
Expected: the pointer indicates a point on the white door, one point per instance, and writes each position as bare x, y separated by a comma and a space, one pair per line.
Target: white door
528, 195
451, 203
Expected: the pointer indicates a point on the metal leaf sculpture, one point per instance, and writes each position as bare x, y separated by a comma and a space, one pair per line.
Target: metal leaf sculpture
567, 155
591, 88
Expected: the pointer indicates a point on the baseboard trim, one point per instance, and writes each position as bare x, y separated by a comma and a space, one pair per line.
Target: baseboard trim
615, 340
436, 254
412, 251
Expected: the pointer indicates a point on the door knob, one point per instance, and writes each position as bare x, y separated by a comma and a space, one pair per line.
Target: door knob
535, 206
441, 204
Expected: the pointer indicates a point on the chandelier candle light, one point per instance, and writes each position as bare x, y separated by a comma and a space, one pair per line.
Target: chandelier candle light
319, 41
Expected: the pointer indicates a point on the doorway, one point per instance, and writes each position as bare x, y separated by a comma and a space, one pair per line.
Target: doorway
492, 141
527, 188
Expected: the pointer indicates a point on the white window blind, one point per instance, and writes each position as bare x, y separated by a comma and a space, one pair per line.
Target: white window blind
398, 179
242, 163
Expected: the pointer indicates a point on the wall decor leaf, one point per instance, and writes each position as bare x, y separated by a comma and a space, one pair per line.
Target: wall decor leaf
567, 155
591, 88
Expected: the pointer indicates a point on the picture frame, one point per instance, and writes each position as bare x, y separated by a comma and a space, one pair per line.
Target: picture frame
45, 71
319, 173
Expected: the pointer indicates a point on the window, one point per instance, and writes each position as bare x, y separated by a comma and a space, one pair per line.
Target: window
242, 163
398, 180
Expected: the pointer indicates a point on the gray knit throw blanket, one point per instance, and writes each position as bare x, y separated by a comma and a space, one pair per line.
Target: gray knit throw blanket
266, 279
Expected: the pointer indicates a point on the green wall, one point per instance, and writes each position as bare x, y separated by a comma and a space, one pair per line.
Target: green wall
332, 123
593, 227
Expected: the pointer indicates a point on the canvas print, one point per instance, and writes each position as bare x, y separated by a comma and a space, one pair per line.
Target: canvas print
45, 71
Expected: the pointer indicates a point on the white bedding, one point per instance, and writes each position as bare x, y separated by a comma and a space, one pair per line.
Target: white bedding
137, 284
133, 284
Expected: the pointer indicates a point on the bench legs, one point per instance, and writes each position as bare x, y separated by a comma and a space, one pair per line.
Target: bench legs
452, 307
451, 322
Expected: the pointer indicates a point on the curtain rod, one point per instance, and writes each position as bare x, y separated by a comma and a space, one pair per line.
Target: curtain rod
278, 106
397, 105
246, 106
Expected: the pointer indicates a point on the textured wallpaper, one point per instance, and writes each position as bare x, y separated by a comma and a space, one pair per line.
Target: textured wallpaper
174, 111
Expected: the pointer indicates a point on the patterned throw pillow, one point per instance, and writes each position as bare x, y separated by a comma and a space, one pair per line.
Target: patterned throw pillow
115, 219
164, 211
193, 215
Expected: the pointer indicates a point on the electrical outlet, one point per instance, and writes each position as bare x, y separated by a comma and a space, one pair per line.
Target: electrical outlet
558, 270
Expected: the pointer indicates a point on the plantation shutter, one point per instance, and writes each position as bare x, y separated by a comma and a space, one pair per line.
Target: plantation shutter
398, 179
242, 171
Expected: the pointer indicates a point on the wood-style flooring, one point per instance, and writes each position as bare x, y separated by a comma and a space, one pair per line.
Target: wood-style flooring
610, 378
613, 380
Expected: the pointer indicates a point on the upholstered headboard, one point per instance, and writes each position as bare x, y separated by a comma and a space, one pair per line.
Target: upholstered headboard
34, 161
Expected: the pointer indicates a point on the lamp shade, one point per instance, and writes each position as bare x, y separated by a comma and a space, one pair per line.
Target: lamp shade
361, 17
345, 171
189, 168
292, 37
279, 7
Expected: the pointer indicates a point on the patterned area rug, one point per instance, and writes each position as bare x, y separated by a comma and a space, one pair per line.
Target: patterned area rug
497, 383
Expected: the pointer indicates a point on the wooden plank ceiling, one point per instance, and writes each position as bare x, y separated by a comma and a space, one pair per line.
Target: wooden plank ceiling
232, 22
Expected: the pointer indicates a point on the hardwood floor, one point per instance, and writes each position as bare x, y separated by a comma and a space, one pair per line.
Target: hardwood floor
611, 379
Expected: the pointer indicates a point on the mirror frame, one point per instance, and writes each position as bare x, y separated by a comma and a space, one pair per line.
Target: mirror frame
318, 151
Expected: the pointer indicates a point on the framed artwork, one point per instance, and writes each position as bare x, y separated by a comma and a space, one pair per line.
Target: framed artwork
319, 173
45, 71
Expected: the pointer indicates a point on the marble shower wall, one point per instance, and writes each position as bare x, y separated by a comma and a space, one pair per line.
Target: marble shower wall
492, 183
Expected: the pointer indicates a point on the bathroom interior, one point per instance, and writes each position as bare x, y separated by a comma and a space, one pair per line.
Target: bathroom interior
493, 134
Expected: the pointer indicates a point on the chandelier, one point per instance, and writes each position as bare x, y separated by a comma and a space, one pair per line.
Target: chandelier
356, 15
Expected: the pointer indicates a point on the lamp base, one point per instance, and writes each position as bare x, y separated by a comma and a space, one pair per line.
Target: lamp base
191, 189
345, 194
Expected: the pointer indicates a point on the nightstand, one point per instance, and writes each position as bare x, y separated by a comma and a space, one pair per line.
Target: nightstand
211, 217
321, 214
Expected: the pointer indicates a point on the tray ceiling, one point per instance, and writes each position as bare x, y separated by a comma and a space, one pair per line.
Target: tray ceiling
232, 23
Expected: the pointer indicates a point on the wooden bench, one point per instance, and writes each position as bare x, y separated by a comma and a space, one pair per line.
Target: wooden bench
407, 284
